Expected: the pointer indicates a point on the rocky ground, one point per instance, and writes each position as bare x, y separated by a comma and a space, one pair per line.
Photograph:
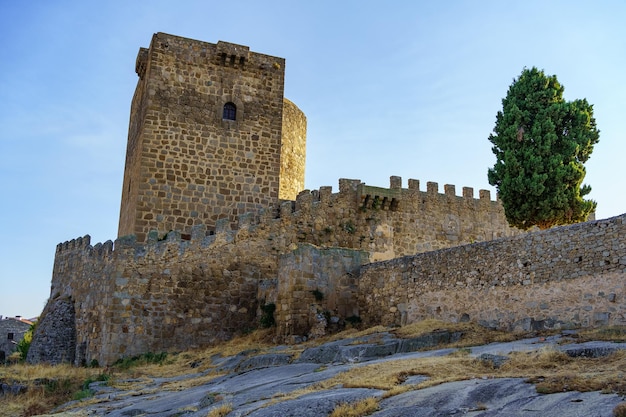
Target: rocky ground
258, 385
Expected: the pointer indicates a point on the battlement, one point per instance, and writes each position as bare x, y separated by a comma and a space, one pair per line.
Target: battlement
322, 217
80, 243
223, 54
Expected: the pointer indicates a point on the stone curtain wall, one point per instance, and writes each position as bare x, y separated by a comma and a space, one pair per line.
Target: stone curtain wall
185, 164
315, 283
169, 294
188, 291
54, 340
563, 277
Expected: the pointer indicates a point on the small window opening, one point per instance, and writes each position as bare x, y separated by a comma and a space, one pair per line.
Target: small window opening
10, 336
230, 111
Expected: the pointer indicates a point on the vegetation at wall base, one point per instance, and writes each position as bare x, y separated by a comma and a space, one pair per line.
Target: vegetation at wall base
541, 143
148, 358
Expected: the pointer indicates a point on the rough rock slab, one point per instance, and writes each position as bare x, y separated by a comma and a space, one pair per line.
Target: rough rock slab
257, 385
504, 397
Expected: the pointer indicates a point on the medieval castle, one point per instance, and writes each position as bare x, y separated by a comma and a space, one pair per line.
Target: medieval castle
215, 227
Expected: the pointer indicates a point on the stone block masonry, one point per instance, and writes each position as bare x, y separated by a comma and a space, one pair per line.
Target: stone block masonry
180, 292
210, 137
214, 223
570, 276
12, 330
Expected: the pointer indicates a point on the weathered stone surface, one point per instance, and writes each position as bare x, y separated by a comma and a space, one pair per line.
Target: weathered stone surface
263, 361
257, 392
429, 340
508, 397
559, 278
494, 360
187, 161
592, 349
316, 404
54, 340
12, 388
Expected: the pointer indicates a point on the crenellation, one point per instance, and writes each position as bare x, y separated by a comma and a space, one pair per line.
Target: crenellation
74, 244
103, 250
449, 190
468, 193
485, 195
348, 186
432, 188
286, 208
222, 226
395, 182
304, 200
414, 184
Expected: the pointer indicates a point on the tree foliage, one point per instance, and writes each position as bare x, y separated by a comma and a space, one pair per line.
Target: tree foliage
541, 142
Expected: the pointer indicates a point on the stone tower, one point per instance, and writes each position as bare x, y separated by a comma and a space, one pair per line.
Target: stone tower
210, 137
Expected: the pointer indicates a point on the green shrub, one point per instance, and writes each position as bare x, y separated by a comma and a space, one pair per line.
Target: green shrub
24, 345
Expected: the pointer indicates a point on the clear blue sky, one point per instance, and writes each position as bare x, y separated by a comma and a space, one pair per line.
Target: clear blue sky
408, 88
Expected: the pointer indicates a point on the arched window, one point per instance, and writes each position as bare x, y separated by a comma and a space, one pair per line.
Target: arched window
230, 111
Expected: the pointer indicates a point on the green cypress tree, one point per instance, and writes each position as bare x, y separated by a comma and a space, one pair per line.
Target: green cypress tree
541, 143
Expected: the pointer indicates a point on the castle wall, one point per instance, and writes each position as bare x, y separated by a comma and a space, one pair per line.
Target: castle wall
186, 164
568, 276
314, 282
185, 291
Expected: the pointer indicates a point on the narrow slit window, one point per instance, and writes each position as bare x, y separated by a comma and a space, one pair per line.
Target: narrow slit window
230, 111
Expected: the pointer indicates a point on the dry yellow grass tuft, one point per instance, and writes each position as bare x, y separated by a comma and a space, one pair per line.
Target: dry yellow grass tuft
608, 333
357, 409
473, 334
619, 410
47, 387
220, 411
550, 370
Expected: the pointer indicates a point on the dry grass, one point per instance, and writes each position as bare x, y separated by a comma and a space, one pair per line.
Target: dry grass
220, 411
619, 410
550, 370
47, 387
282, 396
473, 334
199, 360
608, 333
357, 409
351, 333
